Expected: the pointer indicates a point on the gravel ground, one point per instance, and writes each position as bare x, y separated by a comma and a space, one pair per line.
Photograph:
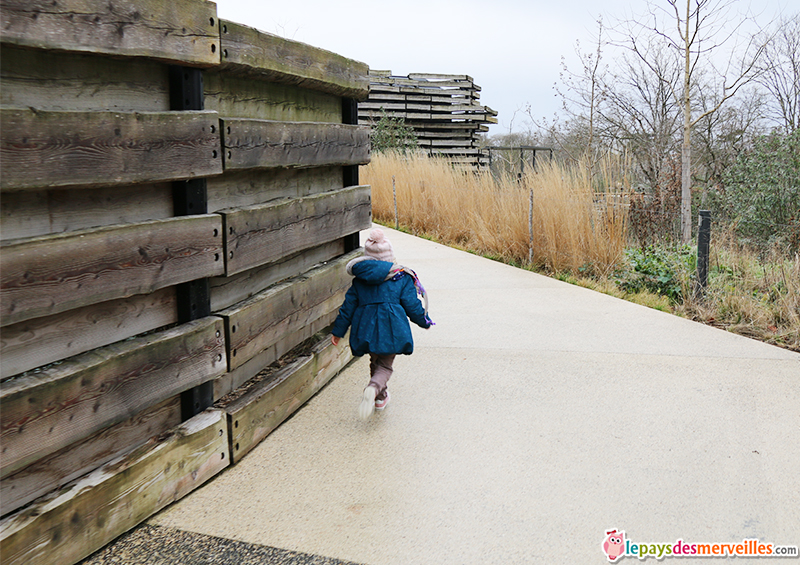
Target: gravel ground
158, 545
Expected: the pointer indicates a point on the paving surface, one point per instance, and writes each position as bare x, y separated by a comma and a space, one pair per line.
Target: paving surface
532, 418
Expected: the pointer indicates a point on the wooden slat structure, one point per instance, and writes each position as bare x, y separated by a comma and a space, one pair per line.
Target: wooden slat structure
179, 199
443, 110
91, 511
265, 404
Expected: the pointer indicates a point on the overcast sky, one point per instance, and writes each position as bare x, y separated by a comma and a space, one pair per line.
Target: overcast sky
512, 48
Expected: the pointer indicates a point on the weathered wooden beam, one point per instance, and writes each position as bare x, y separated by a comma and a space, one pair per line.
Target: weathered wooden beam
237, 189
246, 49
251, 144
75, 460
243, 96
52, 149
179, 31
261, 234
232, 380
72, 523
262, 320
227, 291
55, 273
253, 416
44, 411
38, 342
32, 213
53, 80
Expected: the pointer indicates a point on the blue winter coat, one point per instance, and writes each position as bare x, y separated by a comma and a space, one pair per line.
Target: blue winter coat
378, 310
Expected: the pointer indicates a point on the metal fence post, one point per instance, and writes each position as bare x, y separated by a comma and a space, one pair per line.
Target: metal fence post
191, 197
703, 244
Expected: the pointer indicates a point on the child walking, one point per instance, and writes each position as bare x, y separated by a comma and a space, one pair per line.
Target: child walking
377, 308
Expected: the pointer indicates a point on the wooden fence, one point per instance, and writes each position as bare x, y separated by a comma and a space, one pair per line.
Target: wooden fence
179, 197
443, 110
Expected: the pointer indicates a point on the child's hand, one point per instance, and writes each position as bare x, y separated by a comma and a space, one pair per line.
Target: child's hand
334, 340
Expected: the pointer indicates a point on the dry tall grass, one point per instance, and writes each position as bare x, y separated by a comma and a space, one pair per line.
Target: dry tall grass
751, 295
574, 226
580, 233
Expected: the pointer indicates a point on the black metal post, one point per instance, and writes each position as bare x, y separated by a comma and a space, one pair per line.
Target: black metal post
703, 244
190, 197
350, 172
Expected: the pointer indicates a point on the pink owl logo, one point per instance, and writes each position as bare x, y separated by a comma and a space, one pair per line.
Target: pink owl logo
614, 544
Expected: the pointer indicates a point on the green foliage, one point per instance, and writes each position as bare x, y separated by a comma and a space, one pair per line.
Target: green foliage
392, 134
762, 191
656, 270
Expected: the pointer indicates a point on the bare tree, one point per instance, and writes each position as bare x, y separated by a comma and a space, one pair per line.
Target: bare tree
696, 31
581, 94
641, 113
781, 72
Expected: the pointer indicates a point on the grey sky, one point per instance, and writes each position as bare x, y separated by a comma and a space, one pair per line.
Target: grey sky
512, 48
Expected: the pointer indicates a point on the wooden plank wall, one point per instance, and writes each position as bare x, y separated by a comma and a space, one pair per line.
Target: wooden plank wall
95, 257
444, 111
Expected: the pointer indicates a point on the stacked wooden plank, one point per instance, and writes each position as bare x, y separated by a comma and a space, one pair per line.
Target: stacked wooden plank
159, 244
444, 111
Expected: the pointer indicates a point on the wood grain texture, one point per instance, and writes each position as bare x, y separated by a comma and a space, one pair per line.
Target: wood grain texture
67, 464
32, 213
38, 342
253, 416
240, 375
238, 96
237, 189
248, 50
227, 291
52, 80
259, 322
44, 411
184, 32
72, 523
52, 274
261, 234
253, 144
42, 149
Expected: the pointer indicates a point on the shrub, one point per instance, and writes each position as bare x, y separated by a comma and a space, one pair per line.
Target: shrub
392, 134
762, 190
657, 270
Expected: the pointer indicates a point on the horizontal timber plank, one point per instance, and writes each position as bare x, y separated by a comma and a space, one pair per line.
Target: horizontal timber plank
435, 76
261, 234
38, 342
259, 322
283, 60
252, 144
72, 523
32, 213
253, 416
180, 31
67, 464
52, 80
239, 96
227, 291
55, 273
234, 379
44, 411
237, 189
51, 149
410, 83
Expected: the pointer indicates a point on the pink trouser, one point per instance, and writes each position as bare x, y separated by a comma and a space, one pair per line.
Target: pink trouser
380, 370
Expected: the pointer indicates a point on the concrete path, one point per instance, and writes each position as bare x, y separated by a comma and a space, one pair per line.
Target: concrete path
532, 418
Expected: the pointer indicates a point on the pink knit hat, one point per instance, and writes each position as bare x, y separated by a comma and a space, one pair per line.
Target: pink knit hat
378, 247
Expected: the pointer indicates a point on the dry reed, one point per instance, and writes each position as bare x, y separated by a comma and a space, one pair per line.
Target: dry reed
575, 227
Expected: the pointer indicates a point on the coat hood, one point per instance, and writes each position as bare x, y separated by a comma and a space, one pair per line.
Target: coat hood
369, 270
